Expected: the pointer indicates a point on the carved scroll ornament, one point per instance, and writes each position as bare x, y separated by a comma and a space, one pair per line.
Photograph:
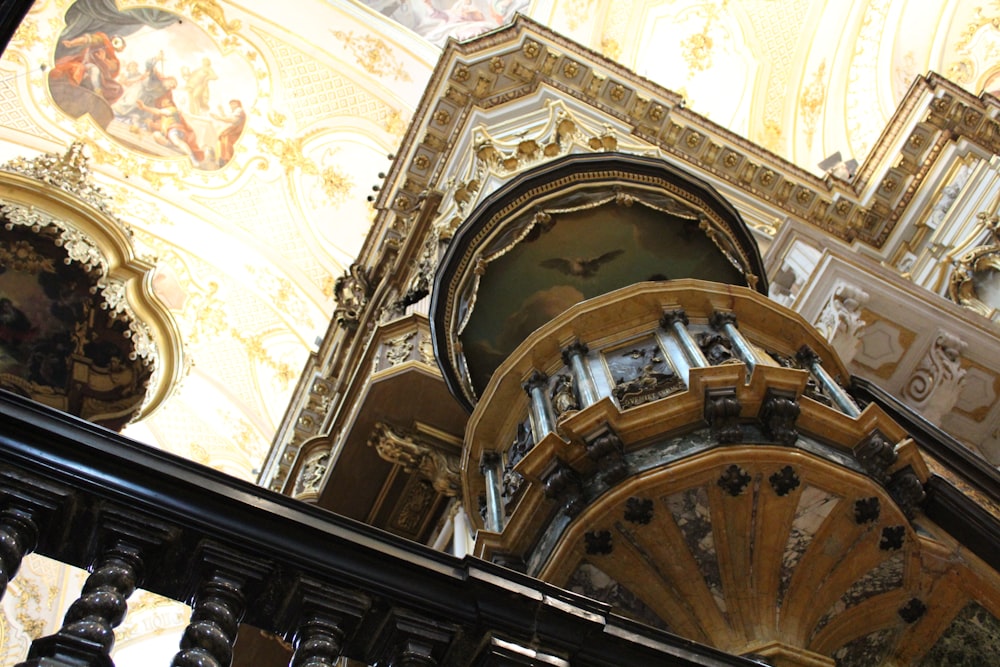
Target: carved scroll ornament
420, 455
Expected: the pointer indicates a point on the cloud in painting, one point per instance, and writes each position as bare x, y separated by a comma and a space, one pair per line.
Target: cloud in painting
535, 311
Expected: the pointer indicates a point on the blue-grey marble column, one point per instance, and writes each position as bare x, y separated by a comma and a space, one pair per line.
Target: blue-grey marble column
677, 321
808, 358
573, 356
726, 323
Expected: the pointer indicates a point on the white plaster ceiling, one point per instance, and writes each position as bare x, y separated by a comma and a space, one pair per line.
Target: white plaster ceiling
247, 253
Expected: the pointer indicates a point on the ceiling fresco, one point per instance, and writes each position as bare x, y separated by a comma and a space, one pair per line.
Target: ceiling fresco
152, 82
239, 140
437, 20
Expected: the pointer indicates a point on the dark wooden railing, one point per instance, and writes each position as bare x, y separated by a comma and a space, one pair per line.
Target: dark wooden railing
137, 517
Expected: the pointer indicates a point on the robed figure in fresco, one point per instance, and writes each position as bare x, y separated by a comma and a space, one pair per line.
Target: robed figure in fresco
84, 76
93, 64
146, 77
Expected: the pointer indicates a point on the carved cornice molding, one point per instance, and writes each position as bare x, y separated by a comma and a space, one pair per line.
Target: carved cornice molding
514, 63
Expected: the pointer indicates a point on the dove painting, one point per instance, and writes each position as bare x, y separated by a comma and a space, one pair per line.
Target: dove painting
578, 266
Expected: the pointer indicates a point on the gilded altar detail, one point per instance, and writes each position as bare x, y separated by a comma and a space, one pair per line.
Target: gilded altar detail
975, 280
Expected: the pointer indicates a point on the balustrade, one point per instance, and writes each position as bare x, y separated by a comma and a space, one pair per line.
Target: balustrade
18, 535
237, 552
87, 635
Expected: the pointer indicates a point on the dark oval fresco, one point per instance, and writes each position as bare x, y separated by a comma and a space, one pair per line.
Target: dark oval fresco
581, 255
58, 346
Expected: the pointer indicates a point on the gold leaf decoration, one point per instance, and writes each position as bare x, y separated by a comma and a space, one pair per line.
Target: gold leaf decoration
336, 184
26, 35
697, 50
288, 152
811, 102
373, 54
210, 9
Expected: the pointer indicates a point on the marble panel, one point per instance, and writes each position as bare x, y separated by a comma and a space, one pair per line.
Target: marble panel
972, 640
884, 577
866, 651
814, 506
593, 582
690, 510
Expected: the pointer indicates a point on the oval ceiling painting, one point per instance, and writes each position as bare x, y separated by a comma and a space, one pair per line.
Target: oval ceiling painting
155, 82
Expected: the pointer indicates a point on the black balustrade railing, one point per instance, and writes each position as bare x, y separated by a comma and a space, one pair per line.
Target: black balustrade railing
137, 517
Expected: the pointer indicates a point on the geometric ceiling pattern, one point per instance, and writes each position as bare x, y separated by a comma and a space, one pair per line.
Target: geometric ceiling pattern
239, 141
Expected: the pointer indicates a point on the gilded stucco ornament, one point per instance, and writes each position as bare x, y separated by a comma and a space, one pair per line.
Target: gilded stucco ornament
975, 282
352, 292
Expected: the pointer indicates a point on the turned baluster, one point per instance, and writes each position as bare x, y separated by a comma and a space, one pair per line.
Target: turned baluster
318, 643
18, 535
215, 618
87, 635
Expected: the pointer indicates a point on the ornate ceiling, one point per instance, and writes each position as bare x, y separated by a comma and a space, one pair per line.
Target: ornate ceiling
251, 217
249, 229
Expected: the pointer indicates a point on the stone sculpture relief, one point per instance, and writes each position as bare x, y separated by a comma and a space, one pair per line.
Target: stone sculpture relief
934, 386
841, 323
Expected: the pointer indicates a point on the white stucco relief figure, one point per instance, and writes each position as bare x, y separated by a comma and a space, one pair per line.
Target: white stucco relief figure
840, 321
935, 384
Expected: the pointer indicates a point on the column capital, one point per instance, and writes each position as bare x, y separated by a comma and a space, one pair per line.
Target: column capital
576, 348
720, 318
536, 379
672, 316
807, 356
